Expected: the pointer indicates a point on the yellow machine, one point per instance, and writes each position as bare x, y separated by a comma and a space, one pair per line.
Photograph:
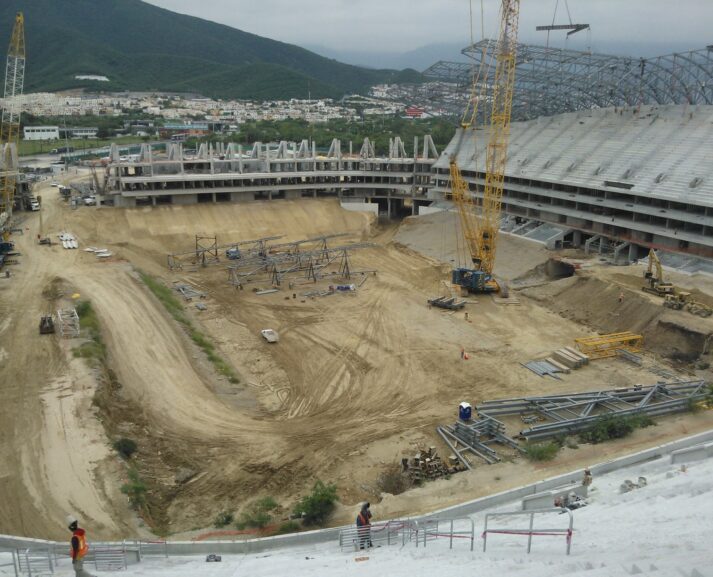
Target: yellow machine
10, 126
480, 228
655, 283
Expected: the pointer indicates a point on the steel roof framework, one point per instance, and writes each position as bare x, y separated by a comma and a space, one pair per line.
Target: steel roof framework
551, 81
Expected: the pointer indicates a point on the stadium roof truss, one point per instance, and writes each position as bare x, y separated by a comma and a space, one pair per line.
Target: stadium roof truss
552, 80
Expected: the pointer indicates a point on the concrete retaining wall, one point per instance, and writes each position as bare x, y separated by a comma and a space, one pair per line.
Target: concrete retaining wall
361, 207
691, 454
458, 511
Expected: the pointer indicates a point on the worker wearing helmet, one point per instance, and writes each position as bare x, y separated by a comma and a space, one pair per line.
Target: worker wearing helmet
78, 548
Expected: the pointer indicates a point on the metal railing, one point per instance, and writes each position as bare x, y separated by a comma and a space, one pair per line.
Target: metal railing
389, 533
531, 531
110, 557
33, 563
13, 562
433, 529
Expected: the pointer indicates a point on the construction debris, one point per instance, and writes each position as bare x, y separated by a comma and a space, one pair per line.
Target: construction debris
188, 292
427, 465
270, 335
629, 357
452, 303
543, 368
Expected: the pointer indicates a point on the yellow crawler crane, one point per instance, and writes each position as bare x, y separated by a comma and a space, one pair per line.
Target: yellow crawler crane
481, 230
10, 124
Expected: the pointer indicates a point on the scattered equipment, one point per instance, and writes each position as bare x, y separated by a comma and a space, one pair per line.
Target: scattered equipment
213, 558
46, 325
451, 303
270, 336
603, 346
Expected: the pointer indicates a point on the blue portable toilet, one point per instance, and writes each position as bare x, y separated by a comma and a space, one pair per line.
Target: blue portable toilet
464, 411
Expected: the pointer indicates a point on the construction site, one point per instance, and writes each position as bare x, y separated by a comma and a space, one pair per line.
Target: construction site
253, 333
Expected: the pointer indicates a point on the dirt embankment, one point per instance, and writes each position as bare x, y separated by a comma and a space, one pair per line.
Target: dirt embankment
596, 303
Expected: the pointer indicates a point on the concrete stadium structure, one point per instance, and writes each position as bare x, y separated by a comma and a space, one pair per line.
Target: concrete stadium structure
625, 179
398, 183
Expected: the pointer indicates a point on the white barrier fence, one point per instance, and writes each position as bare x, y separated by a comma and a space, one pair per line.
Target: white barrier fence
531, 530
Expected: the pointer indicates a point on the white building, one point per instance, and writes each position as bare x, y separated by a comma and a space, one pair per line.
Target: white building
41, 133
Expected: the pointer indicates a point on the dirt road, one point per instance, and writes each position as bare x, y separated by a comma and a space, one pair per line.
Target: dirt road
357, 380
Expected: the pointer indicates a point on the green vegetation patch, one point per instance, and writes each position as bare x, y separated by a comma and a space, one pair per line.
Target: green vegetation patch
614, 427
135, 490
125, 447
258, 514
175, 309
94, 349
315, 508
223, 519
542, 451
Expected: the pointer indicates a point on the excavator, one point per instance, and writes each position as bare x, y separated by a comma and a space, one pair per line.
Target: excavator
655, 284
480, 224
673, 298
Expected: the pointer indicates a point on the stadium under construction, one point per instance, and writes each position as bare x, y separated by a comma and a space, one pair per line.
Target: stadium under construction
610, 153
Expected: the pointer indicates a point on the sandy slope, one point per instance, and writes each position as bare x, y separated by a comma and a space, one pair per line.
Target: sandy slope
356, 381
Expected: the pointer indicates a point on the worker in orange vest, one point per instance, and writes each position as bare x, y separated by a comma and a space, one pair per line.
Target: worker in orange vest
78, 548
363, 522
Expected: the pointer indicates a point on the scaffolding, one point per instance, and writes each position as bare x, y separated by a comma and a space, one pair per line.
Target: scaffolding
299, 267
610, 345
68, 321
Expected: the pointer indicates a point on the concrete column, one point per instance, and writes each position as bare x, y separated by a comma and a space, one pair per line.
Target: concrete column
388, 207
577, 238
633, 252
153, 201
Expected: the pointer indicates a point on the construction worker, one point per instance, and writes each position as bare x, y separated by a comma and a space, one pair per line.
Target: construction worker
587, 480
363, 522
621, 297
78, 547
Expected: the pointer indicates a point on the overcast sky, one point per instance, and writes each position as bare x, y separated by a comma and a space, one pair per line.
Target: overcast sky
404, 25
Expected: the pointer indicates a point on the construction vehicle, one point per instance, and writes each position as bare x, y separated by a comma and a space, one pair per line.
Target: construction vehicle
46, 324
655, 283
10, 123
676, 300
480, 228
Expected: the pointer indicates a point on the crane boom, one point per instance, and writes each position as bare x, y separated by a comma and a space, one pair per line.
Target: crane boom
10, 123
481, 235
496, 154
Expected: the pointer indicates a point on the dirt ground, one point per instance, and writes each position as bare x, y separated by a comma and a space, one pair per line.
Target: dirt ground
357, 380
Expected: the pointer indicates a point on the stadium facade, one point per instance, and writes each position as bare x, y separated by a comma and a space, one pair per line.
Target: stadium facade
606, 152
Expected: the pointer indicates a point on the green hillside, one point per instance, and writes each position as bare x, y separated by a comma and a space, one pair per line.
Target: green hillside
139, 46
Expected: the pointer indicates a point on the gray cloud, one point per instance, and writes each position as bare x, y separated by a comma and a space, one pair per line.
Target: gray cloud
403, 25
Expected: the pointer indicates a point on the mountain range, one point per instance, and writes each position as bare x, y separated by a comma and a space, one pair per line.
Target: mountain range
141, 47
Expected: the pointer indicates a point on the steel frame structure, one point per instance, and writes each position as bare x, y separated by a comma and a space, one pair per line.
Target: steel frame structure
551, 81
573, 413
311, 265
